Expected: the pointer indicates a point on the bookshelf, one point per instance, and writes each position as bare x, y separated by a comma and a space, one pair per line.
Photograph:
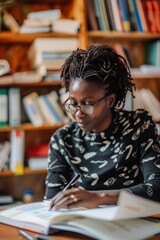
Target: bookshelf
14, 47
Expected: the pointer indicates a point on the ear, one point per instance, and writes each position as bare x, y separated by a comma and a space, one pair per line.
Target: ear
111, 100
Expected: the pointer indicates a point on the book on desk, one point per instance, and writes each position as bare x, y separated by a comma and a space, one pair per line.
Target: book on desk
128, 220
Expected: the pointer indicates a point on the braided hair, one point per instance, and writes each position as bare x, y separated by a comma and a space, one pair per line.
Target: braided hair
100, 64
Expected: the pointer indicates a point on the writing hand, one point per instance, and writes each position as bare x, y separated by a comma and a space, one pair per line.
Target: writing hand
75, 198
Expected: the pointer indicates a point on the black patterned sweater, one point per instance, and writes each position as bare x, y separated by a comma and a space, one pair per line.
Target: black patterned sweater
126, 155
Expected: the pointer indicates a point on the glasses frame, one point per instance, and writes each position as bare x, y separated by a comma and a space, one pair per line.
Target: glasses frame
79, 106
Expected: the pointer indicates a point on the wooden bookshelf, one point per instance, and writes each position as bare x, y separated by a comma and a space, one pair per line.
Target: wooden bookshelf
14, 47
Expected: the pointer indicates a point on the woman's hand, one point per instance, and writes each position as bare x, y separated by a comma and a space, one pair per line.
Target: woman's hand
74, 198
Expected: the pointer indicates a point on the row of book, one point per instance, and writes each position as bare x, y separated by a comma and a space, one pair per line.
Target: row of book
38, 109
151, 57
44, 109
12, 153
42, 21
124, 15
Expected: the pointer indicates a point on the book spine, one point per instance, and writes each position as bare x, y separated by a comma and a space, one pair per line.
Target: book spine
14, 107
110, 15
3, 107
17, 152
53, 99
51, 109
49, 119
4, 154
31, 107
136, 12
124, 15
99, 15
116, 15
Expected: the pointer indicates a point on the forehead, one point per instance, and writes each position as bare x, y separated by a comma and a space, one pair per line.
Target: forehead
85, 87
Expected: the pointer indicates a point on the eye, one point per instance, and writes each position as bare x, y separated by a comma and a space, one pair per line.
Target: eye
88, 104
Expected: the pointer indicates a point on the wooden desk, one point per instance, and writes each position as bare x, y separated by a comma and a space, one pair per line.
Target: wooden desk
11, 233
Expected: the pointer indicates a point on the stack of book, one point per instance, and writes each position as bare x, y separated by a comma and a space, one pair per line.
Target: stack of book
38, 157
40, 21
51, 52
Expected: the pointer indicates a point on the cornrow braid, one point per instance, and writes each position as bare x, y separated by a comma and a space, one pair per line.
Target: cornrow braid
101, 64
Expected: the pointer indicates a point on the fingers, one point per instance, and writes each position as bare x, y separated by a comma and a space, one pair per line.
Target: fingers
64, 199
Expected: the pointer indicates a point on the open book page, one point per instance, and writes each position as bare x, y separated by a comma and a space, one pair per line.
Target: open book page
37, 217
112, 230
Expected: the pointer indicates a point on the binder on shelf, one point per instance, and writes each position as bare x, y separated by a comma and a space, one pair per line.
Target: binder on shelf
17, 152
153, 53
3, 107
14, 106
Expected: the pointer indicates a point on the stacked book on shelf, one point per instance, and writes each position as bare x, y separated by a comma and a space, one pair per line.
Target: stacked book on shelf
41, 22
37, 157
9, 76
51, 52
123, 15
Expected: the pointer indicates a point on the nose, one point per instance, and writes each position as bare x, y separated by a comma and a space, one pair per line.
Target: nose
79, 112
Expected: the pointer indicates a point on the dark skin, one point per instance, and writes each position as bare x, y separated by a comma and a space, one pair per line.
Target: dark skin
84, 92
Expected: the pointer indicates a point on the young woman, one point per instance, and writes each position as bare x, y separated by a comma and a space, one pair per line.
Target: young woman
110, 148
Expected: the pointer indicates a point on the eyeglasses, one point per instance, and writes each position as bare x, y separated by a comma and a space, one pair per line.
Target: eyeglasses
85, 108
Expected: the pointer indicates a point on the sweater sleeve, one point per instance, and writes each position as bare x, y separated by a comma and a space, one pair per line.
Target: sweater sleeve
149, 161
59, 171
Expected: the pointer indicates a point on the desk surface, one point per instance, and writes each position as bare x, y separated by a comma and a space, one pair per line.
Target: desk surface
8, 233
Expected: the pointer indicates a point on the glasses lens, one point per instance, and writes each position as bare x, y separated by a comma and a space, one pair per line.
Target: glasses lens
87, 109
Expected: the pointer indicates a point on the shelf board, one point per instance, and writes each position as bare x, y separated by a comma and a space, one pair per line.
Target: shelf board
27, 171
30, 127
14, 37
124, 35
37, 84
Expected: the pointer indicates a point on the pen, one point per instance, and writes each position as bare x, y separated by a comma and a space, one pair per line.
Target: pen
38, 236
42, 237
69, 185
72, 182
26, 235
